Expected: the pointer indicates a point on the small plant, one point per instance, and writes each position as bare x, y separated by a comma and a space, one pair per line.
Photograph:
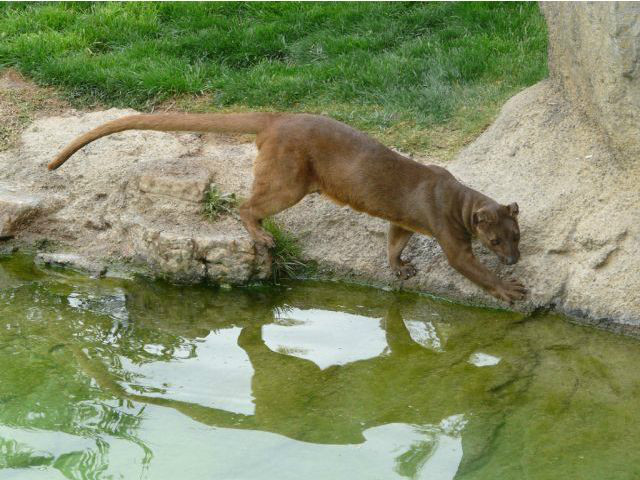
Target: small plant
217, 203
286, 261
44, 245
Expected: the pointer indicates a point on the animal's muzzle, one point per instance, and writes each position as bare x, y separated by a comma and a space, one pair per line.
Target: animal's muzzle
512, 259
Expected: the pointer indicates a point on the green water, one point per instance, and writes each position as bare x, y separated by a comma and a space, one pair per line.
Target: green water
121, 379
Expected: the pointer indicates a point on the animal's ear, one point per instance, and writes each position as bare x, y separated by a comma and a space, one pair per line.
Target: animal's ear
513, 209
484, 215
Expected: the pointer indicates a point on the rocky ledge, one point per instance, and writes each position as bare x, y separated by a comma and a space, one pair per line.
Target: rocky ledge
136, 198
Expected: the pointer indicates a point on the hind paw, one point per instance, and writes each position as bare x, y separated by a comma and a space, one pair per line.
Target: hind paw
405, 271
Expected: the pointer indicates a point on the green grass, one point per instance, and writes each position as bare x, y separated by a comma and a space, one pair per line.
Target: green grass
286, 256
416, 74
217, 203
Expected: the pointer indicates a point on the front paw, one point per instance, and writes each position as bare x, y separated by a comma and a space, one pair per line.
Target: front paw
510, 291
405, 271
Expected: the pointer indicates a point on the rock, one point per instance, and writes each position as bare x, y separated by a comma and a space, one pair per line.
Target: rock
594, 52
8, 249
72, 261
190, 187
16, 209
171, 255
98, 223
131, 197
200, 255
578, 207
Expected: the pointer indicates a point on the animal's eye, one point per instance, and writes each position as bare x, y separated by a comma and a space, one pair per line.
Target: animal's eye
495, 241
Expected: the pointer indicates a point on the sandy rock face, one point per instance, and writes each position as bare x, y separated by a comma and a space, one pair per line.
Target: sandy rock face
16, 209
579, 215
579, 207
136, 196
133, 197
594, 52
72, 261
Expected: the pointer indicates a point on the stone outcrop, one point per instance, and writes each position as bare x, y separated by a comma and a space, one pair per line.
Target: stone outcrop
134, 198
16, 209
579, 206
72, 261
594, 53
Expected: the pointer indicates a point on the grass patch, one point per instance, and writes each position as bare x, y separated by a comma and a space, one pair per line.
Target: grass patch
286, 255
217, 203
15, 114
405, 72
20, 103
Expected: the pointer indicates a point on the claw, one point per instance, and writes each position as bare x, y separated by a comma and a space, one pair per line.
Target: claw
511, 291
406, 271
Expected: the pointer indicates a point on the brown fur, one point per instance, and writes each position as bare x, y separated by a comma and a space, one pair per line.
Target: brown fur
301, 154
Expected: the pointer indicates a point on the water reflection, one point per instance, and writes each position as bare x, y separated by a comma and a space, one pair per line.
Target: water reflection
216, 374
480, 359
270, 371
113, 304
325, 337
424, 333
119, 379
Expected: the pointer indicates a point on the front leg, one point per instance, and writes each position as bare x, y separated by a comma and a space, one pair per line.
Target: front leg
397, 240
460, 257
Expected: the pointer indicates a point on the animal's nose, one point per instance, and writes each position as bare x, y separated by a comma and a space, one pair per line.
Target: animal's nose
512, 259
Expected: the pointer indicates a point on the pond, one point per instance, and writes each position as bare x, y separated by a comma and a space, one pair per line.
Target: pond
116, 378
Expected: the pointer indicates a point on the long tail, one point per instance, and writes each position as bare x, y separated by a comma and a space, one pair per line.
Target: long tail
224, 122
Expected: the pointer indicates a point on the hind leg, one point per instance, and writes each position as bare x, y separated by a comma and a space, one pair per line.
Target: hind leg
277, 185
396, 241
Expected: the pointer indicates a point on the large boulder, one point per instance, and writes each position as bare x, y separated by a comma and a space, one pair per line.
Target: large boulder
594, 52
16, 209
579, 207
135, 197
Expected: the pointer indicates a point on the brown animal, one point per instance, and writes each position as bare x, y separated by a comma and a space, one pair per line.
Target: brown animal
301, 154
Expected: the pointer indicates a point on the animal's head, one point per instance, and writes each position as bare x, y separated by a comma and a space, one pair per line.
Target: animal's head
497, 228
